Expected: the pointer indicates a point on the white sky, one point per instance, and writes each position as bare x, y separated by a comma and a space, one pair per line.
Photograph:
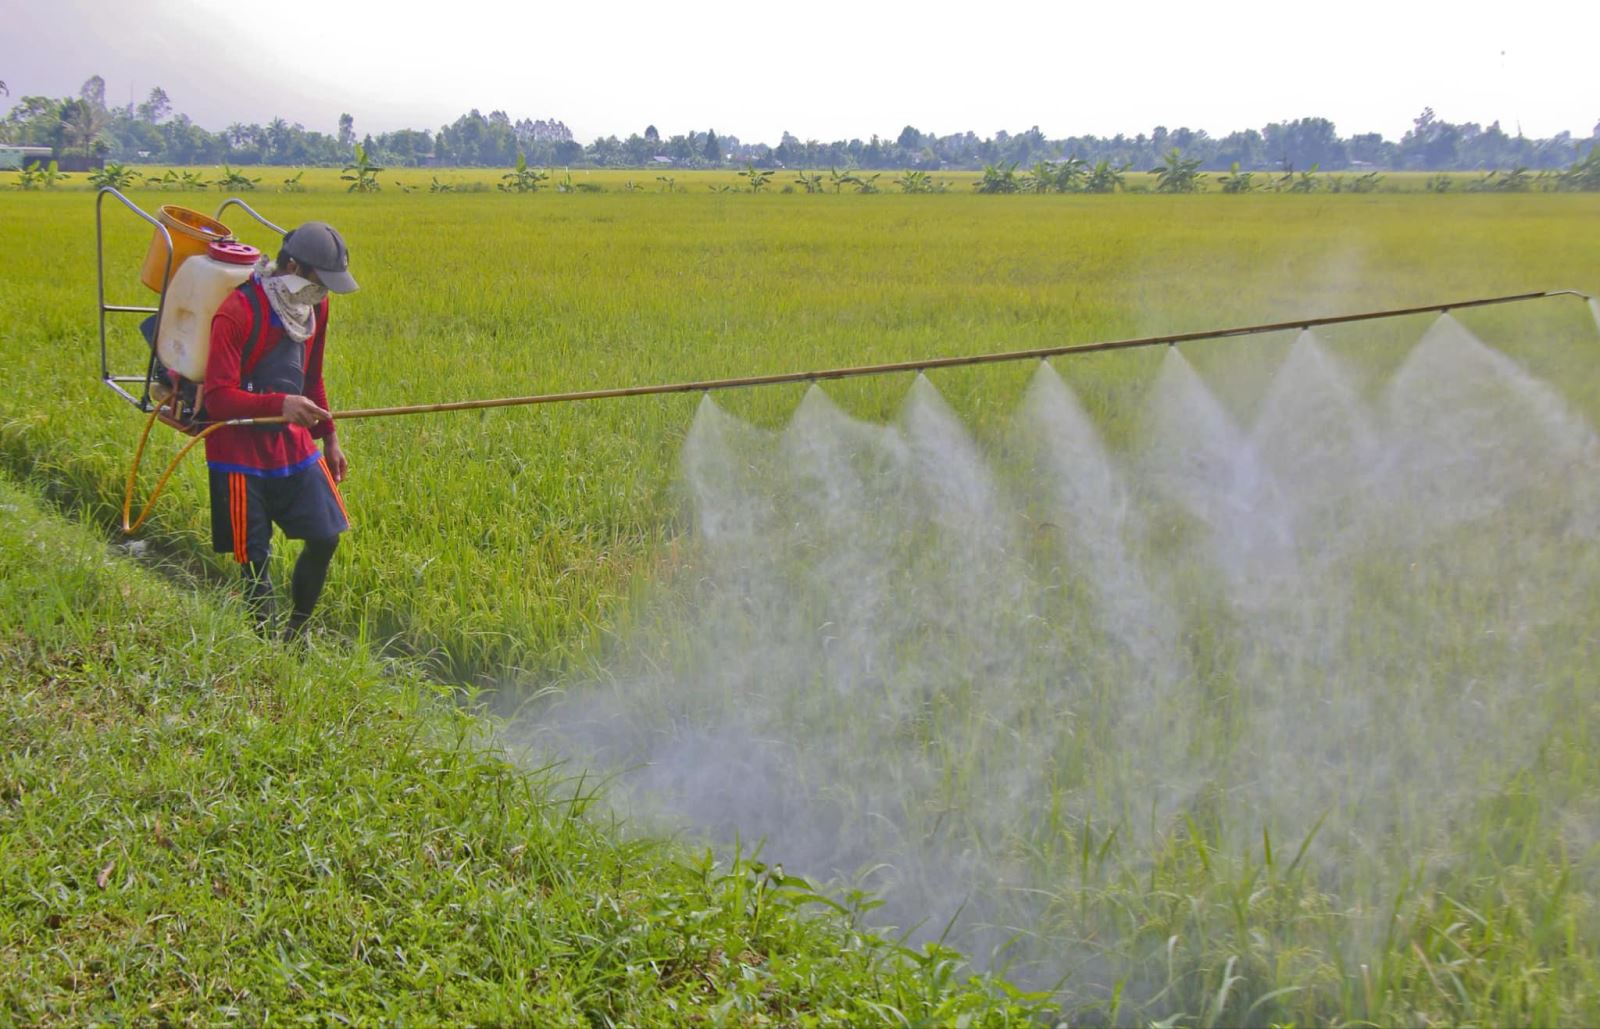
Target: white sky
823, 70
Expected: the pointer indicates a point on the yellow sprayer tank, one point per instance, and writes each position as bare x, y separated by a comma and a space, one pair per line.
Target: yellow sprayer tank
190, 231
198, 288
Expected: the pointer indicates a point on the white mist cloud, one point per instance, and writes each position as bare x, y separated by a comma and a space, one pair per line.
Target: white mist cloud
899, 650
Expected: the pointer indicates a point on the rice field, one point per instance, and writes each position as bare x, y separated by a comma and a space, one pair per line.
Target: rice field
556, 548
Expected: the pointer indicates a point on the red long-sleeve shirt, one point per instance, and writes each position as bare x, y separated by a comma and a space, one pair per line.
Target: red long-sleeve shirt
270, 451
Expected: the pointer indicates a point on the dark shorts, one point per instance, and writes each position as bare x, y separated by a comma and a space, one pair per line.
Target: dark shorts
306, 505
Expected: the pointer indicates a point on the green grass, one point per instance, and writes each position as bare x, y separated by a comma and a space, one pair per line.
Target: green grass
515, 544
195, 825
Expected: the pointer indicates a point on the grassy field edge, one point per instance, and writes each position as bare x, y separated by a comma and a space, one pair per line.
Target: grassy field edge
195, 824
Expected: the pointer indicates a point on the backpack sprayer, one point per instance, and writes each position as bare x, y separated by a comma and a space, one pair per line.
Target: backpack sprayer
194, 261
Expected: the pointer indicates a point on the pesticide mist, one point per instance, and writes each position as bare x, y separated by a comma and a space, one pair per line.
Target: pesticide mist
1027, 690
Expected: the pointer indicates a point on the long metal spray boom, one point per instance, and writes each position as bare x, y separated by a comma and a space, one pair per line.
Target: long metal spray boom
131, 524
857, 371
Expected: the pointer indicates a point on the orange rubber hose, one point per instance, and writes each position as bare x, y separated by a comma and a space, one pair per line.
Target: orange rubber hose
131, 525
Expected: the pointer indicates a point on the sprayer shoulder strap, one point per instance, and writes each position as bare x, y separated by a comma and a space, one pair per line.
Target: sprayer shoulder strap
258, 318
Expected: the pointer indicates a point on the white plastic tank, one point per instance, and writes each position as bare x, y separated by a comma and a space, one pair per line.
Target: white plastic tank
198, 288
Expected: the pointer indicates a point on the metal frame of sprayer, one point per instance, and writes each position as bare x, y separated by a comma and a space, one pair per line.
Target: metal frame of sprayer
119, 383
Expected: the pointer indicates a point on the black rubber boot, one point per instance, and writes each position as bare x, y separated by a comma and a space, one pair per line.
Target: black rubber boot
305, 586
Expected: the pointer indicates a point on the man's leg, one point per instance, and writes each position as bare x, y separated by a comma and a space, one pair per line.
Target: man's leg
240, 526
310, 572
316, 515
258, 593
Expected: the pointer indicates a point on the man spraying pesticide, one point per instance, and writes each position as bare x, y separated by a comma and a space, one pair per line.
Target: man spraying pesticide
266, 350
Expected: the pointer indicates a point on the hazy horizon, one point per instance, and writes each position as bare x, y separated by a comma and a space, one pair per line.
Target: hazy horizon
757, 74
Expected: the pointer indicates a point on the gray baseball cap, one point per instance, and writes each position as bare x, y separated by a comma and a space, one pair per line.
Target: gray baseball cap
316, 245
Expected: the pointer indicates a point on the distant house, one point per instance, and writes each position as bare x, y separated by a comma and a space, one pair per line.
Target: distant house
15, 158
661, 160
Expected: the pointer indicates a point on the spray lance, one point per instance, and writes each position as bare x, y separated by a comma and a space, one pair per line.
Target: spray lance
131, 524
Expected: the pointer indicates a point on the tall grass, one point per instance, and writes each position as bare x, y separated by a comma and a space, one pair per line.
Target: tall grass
198, 826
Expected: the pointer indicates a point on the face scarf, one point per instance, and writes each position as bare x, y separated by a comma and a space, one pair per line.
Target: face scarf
294, 300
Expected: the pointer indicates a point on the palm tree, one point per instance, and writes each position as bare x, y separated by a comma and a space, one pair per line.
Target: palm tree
81, 124
278, 138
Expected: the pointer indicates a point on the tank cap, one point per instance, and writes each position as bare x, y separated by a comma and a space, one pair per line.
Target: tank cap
232, 253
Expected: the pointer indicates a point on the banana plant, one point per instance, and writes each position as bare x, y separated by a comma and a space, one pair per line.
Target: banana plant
1069, 175
1103, 178
174, 179
365, 177
1178, 174
520, 179
1236, 181
914, 182
758, 178
811, 182
115, 174
1584, 175
1040, 178
1517, 180
40, 176
1365, 183
998, 178
234, 180
1304, 182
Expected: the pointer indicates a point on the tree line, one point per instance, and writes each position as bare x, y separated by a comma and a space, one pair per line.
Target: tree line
85, 127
